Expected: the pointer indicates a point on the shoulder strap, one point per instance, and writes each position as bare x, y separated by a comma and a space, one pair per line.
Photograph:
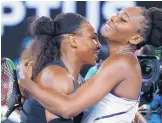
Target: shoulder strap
58, 63
61, 64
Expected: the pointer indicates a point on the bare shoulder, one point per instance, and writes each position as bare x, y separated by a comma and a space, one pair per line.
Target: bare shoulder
120, 64
121, 60
57, 78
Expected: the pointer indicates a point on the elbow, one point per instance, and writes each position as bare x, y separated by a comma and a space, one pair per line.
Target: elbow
65, 111
68, 113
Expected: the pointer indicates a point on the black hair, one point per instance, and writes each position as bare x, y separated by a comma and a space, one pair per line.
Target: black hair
152, 27
47, 35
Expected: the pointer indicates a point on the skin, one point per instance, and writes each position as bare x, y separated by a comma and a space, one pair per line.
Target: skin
118, 72
59, 79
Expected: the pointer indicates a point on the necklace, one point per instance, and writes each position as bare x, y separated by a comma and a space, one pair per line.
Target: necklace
69, 68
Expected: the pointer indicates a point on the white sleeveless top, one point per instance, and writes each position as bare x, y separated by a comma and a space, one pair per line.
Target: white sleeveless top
111, 109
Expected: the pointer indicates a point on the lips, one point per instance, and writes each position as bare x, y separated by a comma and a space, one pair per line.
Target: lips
97, 52
108, 25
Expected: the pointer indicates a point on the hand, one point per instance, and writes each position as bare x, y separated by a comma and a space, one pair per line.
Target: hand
25, 69
25, 74
139, 117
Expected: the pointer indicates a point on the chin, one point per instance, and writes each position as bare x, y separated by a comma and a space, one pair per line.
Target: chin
105, 35
93, 62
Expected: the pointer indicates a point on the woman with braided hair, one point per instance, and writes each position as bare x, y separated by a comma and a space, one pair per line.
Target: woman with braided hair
112, 94
56, 53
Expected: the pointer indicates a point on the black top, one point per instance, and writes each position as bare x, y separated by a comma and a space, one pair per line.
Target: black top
34, 112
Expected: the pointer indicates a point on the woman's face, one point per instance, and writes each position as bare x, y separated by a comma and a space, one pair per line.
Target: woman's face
87, 44
123, 26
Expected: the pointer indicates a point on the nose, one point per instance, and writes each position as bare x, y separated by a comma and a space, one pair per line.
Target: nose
114, 18
98, 45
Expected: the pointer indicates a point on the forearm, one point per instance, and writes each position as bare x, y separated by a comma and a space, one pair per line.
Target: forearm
53, 101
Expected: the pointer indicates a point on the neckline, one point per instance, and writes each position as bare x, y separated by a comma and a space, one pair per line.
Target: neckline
74, 80
130, 53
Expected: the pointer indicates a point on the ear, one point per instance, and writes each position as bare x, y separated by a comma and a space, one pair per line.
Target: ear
136, 39
72, 41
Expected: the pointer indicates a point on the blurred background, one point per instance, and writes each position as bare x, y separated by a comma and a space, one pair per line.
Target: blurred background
14, 37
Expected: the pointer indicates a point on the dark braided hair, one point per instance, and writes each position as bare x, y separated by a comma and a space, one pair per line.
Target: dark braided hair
152, 27
47, 36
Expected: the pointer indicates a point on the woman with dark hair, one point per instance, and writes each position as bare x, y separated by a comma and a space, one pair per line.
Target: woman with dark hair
56, 53
112, 94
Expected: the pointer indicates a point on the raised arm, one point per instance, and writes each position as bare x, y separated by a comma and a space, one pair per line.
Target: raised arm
110, 74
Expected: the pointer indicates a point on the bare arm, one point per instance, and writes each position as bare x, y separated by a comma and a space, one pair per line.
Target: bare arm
55, 78
110, 74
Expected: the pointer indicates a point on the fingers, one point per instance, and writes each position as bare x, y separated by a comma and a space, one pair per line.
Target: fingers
133, 121
30, 63
25, 69
141, 108
21, 71
136, 120
25, 62
141, 118
29, 71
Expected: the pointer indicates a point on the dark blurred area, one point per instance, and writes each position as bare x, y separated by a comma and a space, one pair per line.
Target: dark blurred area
150, 59
14, 37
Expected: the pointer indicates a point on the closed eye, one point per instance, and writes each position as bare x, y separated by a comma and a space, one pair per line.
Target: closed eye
123, 20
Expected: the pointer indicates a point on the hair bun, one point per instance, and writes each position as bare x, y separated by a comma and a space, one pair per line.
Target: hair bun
41, 26
155, 38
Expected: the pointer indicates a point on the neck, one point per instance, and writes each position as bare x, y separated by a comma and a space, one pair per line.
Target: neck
115, 48
72, 64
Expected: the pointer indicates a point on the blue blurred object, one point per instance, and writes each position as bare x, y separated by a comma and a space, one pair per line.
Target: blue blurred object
16, 61
8, 121
93, 70
155, 118
25, 42
156, 101
154, 105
